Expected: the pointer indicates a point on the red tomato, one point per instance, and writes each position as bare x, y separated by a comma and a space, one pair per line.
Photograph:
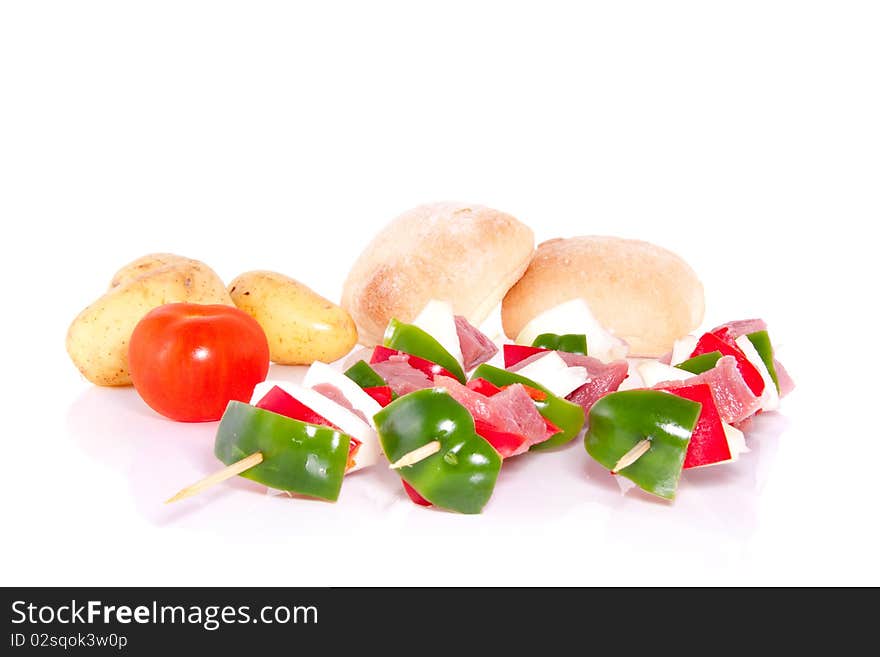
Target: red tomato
189, 360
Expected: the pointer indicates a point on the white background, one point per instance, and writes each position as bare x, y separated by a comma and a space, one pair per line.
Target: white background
261, 135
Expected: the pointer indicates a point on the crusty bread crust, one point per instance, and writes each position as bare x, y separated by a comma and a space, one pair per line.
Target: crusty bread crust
468, 255
641, 292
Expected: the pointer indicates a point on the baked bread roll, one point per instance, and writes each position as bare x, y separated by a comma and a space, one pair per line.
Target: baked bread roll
468, 255
638, 291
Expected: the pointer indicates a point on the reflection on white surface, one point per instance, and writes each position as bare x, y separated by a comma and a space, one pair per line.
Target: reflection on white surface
538, 492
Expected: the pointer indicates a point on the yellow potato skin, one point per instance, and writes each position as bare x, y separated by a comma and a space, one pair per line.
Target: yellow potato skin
144, 265
301, 325
97, 340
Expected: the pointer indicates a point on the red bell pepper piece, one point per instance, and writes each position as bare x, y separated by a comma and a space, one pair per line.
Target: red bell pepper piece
353, 448
534, 393
281, 402
414, 495
708, 443
483, 387
504, 442
552, 429
514, 353
488, 389
381, 354
711, 342
382, 394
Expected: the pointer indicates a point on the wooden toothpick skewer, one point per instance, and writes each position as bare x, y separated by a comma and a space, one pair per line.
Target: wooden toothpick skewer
221, 475
256, 458
418, 454
633, 455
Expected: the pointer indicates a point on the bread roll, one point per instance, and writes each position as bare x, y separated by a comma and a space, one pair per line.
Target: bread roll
468, 255
641, 292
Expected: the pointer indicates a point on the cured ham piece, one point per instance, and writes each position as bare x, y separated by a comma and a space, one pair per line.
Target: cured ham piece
727, 347
733, 330
733, 397
400, 376
382, 354
476, 347
510, 411
333, 393
740, 327
529, 421
786, 384
480, 406
602, 378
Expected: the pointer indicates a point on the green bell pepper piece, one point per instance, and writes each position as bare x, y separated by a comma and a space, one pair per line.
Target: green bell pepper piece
461, 476
761, 342
621, 420
302, 458
701, 363
567, 416
573, 343
416, 342
364, 375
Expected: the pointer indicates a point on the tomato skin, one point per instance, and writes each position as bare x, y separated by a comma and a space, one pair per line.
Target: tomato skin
189, 360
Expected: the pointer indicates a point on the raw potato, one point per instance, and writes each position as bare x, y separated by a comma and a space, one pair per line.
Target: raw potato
145, 265
301, 325
97, 340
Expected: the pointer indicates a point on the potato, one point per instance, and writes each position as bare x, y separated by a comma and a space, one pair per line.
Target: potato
301, 325
97, 340
144, 265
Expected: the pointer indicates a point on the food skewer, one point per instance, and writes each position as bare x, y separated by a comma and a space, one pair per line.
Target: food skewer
256, 458
632, 455
418, 454
228, 472
447, 449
